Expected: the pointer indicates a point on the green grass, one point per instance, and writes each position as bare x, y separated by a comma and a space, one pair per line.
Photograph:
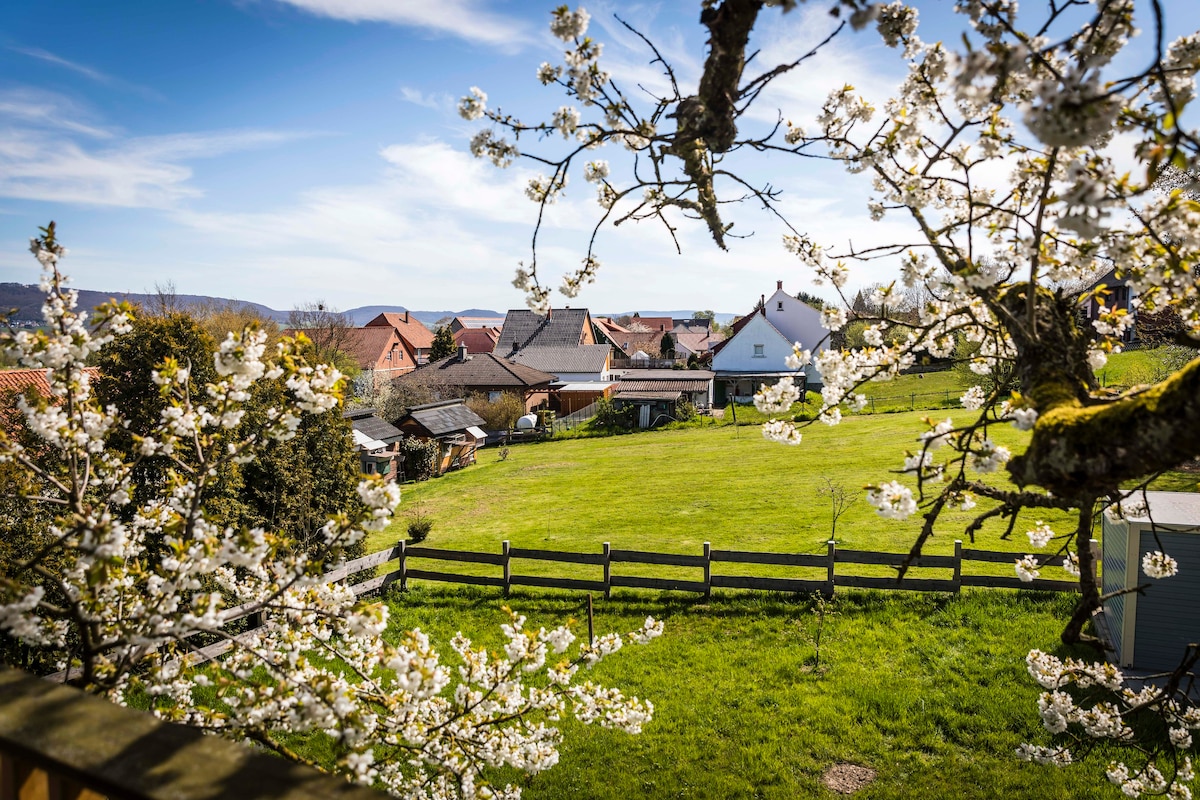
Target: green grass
928, 690
1129, 368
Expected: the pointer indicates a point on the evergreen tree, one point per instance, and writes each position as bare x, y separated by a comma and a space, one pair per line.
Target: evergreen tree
443, 343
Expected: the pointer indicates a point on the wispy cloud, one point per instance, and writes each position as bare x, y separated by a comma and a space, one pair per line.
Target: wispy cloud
48, 110
438, 101
41, 160
465, 19
88, 72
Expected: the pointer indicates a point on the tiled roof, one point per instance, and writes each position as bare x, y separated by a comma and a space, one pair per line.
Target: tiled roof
408, 326
659, 324
449, 416
18, 380
558, 360
610, 326
479, 322
477, 340
367, 345
482, 370
650, 343
697, 342
365, 421
523, 328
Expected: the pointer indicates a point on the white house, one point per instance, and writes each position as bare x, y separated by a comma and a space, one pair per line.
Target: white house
755, 354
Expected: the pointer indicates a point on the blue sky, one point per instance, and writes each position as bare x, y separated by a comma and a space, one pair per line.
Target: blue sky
283, 151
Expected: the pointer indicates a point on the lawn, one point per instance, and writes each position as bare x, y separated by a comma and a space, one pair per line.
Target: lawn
928, 690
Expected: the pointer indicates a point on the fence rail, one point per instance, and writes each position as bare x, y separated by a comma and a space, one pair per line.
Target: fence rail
828, 562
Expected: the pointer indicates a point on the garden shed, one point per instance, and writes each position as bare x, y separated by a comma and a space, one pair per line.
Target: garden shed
1149, 631
456, 428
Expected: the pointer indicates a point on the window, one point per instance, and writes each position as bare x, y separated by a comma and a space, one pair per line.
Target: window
779, 306
758, 351
370, 467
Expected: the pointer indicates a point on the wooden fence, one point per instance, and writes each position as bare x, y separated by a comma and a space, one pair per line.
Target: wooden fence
505, 577
707, 580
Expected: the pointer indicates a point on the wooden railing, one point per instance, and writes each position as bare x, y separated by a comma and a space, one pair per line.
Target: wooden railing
58, 743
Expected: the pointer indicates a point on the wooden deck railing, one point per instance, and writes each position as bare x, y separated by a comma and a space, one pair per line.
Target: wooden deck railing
58, 743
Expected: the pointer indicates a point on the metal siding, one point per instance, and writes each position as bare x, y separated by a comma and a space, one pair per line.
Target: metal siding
1167, 617
1116, 537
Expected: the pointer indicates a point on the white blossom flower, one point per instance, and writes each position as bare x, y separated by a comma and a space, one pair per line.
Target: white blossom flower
1027, 568
893, 500
1040, 535
1158, 564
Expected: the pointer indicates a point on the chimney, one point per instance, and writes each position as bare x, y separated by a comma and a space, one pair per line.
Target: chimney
549, 314
406, 316
779, 285
462, 351
762, 304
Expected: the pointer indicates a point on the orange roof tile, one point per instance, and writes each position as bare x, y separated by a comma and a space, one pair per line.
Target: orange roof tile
408, 326
18, 380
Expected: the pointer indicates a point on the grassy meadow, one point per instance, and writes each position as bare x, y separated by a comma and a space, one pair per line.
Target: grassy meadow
928, 690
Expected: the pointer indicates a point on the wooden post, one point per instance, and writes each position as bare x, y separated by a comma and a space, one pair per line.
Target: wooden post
504, 551
403, 566
1096, 556
591, 624
707, 570
958, 565
607, 571
829, 562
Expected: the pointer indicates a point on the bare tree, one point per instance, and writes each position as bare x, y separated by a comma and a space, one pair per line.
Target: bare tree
327, 328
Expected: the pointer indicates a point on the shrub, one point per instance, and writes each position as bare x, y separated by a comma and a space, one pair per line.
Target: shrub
500, 414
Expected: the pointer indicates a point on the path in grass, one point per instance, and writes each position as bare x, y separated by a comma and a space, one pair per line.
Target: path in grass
928, 690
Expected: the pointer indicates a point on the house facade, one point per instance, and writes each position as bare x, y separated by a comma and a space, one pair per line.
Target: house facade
487, 374
757, 351
417, 339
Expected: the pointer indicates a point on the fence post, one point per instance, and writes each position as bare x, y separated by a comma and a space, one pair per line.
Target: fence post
912, 401
607, 571
958, 565
504, 551
707, 570
829, 561
1096, 556
403, 566
872, 404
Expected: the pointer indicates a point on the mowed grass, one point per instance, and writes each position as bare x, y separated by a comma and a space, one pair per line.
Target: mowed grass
928, 690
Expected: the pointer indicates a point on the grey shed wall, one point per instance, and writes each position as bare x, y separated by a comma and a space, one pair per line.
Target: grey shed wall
1168, 615
1116, 542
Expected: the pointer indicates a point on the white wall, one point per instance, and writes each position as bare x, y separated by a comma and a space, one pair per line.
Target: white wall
738, 353
797, 321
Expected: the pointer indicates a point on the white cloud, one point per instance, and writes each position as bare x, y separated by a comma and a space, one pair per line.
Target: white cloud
86, 71
462, 18
438, 101
40, 160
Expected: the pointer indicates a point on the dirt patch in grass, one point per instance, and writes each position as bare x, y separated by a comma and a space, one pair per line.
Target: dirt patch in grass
847, 778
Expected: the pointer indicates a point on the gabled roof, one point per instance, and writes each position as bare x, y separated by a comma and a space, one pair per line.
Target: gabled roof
564, 327
659, 324
609, 325
448, 416
701, 325
367, 345
696, 342
18, 380
409, 327
632, 342
556, 360
482, 370
478, 322
477, 340
365, 422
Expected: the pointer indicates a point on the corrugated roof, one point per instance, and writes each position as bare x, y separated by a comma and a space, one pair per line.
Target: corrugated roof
663, 386
408, 326
1171, 508
446, 417
556, 360
669, 374
480, 370
18, 380
649, 395
523, 328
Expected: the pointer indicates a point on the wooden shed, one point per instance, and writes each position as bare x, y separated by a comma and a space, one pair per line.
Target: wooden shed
456, 428
1150, 631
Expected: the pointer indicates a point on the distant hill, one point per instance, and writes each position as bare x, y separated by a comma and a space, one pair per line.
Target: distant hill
27, 300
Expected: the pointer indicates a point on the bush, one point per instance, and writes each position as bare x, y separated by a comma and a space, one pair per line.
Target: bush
609, 417
685, 411
419, 458
500, 414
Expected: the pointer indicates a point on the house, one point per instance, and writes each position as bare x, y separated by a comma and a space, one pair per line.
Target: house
1149, 631
418, 340
477, 340
755, 354
379, 352
486, 373
1118, 293
457, 429
462, 323
377, 443
18, 380
656, 392
583, 373
561, 327
659, 325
